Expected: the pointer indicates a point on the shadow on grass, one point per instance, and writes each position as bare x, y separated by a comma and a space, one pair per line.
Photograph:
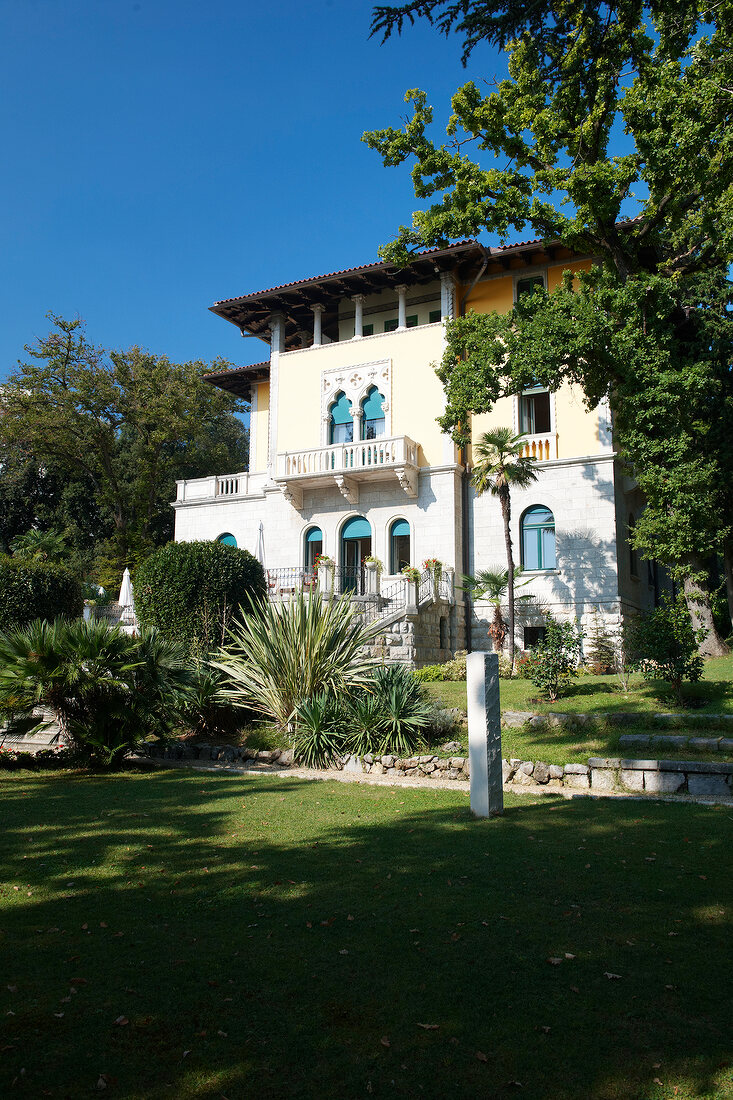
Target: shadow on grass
281, 938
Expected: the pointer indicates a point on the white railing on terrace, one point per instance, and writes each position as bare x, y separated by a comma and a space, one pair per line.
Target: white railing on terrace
542, 447
368, 454
215, 486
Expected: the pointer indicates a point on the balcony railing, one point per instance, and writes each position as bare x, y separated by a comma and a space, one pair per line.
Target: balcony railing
542, 446
219, 487
348, 458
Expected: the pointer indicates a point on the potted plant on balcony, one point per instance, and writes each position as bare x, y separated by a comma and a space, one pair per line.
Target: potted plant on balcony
325, 568
412, 576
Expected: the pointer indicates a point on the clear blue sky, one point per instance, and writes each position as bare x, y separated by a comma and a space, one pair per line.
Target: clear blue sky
160, 155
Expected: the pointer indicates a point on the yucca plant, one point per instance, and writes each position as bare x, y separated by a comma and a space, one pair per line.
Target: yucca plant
108, 690
404, 708
364, 723
283, 654
318, 738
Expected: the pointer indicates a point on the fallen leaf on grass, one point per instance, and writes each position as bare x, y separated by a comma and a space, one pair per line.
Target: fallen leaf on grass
568, 955
554, 961
481, 1056
609, 975
657, 1081
122, 1021
385, 1041
429, 1027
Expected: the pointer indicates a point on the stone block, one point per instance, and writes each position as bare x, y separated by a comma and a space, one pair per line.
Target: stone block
457, 762
703, 767
663, 782
378, 768
555, 771
576, 769
527, 767
264, 756
628, 740
639, 765
388, 761
604, 762
541, 773
508, 771
704, 744
726, 744
515, 719
708, 784
633, 780
573, 779
675, 741
603, 779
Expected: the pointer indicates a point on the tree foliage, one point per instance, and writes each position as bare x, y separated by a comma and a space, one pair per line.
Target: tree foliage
119, 426
34, 589
193, 591
649, 327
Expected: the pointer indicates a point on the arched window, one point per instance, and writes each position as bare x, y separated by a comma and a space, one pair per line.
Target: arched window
373, 414
226, 539
341, 428
633, 556
313, 547
399, 545
537, 535
356, 544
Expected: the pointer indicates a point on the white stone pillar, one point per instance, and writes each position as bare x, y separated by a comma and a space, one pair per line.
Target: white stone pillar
371, 578
358, 301
402, 307
357, 417
484, 734
325, 580
447, 296
318, 309
277, 346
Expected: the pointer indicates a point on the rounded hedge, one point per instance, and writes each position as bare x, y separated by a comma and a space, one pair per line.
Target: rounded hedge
36, 590
191, 591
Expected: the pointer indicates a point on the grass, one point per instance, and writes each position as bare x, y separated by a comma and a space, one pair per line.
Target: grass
197, 936
593, 694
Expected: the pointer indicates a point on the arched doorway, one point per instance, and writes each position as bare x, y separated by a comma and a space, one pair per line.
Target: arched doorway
356, 544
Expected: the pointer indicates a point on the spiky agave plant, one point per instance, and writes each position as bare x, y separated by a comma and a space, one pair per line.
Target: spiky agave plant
404, 708
283, 654
318, 738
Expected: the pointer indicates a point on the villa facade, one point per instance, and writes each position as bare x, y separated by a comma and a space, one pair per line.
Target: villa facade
347, 460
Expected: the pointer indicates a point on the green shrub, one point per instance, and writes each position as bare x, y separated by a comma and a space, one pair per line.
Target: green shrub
193, 591
109, 690
553, 661
209, 713
319, 737
456, 669
36, 590
283, 654
403, 709
601, 649
662, 645
430, 674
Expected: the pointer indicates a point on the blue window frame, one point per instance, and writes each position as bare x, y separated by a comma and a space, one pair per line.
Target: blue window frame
373, 414
537, 535
399, 546
313, 546
342, 423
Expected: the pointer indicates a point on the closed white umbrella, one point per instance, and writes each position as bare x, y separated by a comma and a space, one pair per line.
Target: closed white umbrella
260, 553
125, 598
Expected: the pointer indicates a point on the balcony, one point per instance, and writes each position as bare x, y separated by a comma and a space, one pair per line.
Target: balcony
542, 446
347, 465
218, 487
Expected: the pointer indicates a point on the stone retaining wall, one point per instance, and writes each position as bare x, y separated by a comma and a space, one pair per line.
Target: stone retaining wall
517, 719
602, 774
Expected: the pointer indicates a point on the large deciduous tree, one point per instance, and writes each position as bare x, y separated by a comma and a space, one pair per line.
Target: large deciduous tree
611, 133
124, 424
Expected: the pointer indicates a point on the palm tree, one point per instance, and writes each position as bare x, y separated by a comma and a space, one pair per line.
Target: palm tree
492, 585
40, 546
500, 467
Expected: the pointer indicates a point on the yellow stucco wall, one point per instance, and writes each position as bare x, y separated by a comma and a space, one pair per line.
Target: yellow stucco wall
416, 398
258, 461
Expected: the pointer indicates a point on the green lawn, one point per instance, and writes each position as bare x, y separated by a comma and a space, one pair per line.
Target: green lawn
591, 694
202, 936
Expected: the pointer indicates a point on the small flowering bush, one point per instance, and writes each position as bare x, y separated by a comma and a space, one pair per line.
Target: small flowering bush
323, 559
434, 566
411, 573
371, 560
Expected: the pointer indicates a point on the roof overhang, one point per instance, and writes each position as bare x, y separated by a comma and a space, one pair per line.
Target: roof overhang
240, 380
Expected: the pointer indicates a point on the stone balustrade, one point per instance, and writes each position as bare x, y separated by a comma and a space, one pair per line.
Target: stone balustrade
349, 458
543, 447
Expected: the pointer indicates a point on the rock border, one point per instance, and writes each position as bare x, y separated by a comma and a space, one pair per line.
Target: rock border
517, 719
607, 774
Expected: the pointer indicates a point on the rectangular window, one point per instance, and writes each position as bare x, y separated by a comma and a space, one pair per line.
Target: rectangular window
526, 286
391, 325
434, 316
534, 413
367, 330
533, 635
342, 433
